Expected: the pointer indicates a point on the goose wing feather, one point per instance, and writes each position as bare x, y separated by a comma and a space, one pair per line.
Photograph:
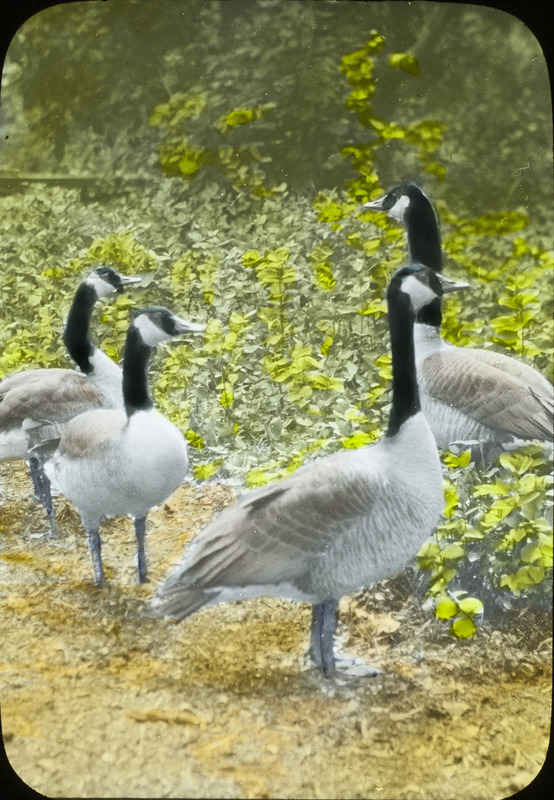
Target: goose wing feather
487, 391
27, 378
523, 372
45, 396
90, 434
273, 533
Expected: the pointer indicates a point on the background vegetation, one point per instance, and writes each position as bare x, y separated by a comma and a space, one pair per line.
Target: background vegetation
223, 155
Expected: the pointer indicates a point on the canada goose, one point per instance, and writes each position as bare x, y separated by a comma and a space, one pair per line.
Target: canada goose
35, 404
340, 523
112, 462
471, 396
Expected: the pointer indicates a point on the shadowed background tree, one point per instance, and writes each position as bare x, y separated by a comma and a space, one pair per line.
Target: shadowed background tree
101, 65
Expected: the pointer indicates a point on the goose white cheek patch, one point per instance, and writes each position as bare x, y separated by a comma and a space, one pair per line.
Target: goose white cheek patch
399, 208
420, 294
101, 286
150, 333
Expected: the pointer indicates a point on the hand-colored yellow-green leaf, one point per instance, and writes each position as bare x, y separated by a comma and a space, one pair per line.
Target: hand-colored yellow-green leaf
404, 62
463, 628
446, 609
470, 605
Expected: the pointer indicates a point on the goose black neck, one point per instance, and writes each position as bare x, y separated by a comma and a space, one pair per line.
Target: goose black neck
136, 361
424, 238
76, 334
431, 314
405, 394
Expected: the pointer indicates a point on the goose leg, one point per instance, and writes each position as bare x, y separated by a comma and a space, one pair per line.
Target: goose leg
140, 531
94, 542
324, 621
41, 488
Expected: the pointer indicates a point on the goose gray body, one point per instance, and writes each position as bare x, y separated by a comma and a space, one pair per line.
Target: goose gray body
468, 395
338, 524
114, 462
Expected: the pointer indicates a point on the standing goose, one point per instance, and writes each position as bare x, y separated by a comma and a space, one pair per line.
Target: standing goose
35, 404
113, 462
468, 395
340, 523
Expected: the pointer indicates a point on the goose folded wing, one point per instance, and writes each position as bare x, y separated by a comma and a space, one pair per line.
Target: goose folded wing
488, 394
273, 534
91, 434
26, 378
15, 388
528, 375
50, 397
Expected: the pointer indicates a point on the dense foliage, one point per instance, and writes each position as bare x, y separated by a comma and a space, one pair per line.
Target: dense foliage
294, 362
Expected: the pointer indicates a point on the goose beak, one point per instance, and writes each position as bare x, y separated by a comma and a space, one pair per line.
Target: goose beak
375, 204
124, 281
129, 279
184, 326
448, 285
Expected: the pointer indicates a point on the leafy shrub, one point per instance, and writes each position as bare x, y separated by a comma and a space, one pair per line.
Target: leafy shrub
294, 361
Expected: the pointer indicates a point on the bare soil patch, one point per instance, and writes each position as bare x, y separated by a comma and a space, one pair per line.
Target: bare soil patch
100, 700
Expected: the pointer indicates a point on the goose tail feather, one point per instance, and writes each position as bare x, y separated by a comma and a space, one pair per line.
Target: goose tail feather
178, 602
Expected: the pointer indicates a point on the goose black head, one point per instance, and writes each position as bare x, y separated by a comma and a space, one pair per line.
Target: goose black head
399, 200
157, 324
106, 281
424, 287
408, 204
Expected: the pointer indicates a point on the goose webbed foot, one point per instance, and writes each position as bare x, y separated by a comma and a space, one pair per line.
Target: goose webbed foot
348, 667
140, 532
322, 652
95, 545
42, 491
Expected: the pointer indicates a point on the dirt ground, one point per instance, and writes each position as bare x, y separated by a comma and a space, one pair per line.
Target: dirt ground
100, 700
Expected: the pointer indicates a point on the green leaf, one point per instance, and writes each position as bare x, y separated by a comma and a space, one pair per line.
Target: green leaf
463, 628
326, 346
453, 551
470, 605
325, 382
451, 460
375, 308
226, 398
498, 511
517, 463
201, 472
195, 439
404, 62
446, 609
531, 552
429, 550
241, 116
452, 498
536, 574
495, 489
359, 439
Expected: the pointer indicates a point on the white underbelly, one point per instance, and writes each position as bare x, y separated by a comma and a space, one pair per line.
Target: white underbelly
139, 470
